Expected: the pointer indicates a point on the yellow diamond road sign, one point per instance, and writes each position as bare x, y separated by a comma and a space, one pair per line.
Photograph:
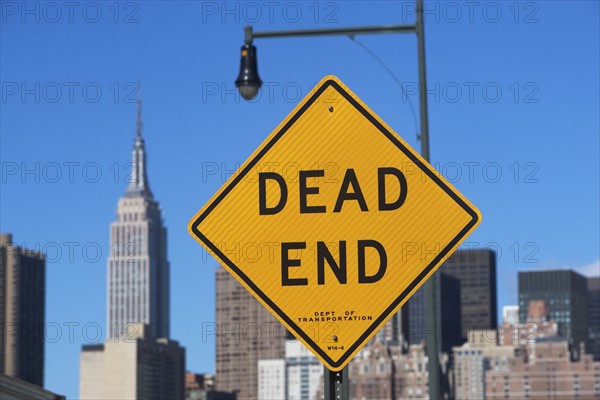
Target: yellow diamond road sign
334, 222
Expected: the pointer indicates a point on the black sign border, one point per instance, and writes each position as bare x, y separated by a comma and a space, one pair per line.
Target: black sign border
238, 177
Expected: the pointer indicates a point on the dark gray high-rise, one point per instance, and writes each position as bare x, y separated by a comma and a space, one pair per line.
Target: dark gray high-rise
565, 295
414, 330
593, 343
448, 309
475, 269
450, 312
22, 313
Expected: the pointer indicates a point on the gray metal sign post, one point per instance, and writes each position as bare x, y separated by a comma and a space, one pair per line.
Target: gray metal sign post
336, 384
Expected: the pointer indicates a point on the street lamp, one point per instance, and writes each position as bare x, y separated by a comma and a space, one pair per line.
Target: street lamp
248, 84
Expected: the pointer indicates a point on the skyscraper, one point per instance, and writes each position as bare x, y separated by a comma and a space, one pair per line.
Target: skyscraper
304, 372
447, 329
138, 270
475, 269
271, 379
246, 332
450, 310
22, 301
414, 329
565, 295
593, 344
138, 361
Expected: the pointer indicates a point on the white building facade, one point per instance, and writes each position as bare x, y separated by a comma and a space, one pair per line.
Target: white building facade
271, 379
297, 377
510, 314
304, 372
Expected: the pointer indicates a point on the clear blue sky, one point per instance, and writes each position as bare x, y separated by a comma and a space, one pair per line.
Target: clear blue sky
513, 119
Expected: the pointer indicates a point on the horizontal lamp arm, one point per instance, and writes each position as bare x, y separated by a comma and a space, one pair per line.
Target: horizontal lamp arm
361, 30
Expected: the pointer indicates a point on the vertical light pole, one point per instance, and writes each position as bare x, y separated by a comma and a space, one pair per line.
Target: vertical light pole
248, 83
433, 362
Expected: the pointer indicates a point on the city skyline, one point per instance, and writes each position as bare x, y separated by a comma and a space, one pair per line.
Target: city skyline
528, 159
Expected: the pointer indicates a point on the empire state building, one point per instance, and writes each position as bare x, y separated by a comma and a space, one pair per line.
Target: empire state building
138, 360
138, 269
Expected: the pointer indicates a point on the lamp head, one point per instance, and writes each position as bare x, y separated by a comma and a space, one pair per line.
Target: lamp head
248, 82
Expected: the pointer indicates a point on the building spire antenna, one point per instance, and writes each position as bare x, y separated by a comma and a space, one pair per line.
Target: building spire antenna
140, 123
138, 184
